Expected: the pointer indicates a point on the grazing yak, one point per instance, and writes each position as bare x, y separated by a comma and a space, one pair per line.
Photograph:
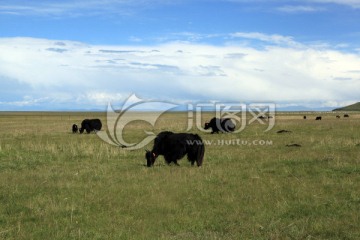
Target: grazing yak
304, 117
346, 115
222, 125
74, 128
90, 125
318, 118
174, 146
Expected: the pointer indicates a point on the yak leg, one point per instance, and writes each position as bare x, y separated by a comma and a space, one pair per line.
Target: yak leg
168, 159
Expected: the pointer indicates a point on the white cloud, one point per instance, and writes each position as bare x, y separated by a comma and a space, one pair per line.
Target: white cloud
76, 8
300, 9
270, 38
350, 3
81, 75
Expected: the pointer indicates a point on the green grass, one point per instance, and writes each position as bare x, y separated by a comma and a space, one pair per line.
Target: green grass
352, 107
57, 185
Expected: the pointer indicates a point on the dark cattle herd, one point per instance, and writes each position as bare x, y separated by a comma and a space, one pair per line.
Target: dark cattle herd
337, 116
174, 146
88, 125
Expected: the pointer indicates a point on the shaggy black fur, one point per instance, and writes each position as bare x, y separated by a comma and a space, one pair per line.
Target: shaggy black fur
74, 128
174, 146
220, 125
90, 125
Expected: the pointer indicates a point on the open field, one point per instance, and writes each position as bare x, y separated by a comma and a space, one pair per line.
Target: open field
59, 185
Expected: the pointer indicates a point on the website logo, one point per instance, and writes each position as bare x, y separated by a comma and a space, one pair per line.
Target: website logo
117, 121
239, 116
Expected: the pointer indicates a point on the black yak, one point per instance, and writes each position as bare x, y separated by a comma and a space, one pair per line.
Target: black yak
74, 128
90, 125
222, 125
174, 146
346, 115
318, 118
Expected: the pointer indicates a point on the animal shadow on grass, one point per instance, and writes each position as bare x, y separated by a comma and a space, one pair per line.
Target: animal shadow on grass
293, 145
283, 131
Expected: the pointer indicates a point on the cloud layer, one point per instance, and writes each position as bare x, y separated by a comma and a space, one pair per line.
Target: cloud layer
73, 75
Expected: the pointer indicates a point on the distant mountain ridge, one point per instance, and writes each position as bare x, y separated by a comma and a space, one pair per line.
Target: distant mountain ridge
352, 107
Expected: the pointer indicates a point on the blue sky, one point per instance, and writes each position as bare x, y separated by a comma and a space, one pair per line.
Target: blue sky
82, 54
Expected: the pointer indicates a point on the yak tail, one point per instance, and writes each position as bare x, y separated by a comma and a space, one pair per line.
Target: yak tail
200, 150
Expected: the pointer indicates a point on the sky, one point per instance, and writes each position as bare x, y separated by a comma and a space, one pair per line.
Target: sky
84, 54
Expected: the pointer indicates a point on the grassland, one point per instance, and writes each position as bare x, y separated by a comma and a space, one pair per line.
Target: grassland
59, 185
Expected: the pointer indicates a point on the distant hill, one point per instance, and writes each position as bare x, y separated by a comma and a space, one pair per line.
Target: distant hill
352, 107
303, 109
